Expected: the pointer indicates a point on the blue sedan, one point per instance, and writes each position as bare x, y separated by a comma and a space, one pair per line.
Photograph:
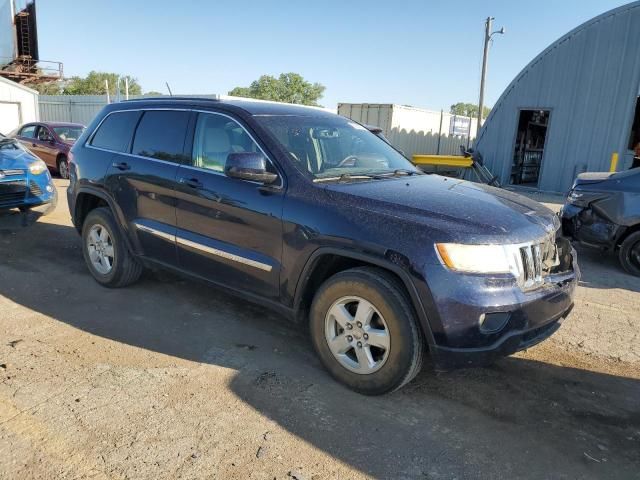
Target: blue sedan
25, 181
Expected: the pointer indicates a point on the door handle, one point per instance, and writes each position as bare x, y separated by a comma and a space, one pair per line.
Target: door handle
33, 145
191, 182
121, 165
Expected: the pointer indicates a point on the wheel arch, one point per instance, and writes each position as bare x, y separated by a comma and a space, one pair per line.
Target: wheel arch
627, 232
88, 199
327, 261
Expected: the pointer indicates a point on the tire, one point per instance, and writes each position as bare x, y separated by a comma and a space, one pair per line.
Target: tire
629, 254
24, 208
395, 366
124, 268
63, 167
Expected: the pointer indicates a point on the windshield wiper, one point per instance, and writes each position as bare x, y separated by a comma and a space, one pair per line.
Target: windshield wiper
402, 171
347, 176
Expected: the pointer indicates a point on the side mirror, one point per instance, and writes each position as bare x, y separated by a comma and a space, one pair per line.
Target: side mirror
249, 166
52, 141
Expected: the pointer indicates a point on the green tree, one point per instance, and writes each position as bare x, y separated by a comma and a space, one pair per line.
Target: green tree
93, 84
49, 88
154, 93
288, 87
468, 110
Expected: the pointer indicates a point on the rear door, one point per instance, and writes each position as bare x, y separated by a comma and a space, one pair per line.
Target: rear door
141, 179
229, 230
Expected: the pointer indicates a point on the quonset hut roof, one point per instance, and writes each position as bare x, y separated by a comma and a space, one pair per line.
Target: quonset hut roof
589, 79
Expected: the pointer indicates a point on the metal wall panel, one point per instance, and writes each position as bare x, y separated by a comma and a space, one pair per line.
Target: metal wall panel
412, 130
589, 80
81, 108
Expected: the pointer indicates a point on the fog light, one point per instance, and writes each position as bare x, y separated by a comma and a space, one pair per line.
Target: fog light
49, 188
493, 322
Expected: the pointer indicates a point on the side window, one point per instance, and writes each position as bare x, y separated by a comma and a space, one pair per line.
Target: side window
215, 138
44, 134
28, 132
116, 131
160, 134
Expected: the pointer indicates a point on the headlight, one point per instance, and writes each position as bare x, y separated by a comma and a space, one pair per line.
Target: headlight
37, 167
526, 262
478, 258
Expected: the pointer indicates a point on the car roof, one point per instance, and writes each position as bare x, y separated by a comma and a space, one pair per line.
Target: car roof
60, 124
252, 107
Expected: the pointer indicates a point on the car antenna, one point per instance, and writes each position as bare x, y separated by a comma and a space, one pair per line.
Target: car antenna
168, 88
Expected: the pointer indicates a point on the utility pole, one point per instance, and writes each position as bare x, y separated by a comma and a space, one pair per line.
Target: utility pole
488, 35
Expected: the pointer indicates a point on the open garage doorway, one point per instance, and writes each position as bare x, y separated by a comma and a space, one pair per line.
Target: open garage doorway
529, 147
9, 117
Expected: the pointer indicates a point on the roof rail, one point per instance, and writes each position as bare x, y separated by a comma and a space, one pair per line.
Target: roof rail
174, 97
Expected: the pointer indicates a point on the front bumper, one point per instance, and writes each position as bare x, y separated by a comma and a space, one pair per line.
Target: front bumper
588, 227
27, 191
531, 317
446, 358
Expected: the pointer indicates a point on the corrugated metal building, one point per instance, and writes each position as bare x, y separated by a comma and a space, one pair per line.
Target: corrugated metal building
571, 108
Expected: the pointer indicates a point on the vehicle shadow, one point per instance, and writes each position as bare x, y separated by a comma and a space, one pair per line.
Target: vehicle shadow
602, 270
518, 418
12, 219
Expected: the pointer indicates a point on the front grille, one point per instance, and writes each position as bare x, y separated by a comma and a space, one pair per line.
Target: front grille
34, 189
12, 191
13, 172
537, 261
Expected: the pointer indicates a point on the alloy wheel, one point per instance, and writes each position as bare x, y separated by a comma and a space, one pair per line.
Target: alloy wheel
100, 249
357, 335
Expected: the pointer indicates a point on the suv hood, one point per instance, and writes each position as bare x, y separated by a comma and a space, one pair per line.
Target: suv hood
462, 211
589, 178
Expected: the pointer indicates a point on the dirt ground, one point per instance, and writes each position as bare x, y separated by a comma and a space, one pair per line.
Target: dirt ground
171, 379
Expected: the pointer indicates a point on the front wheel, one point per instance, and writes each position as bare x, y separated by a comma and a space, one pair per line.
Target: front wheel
365, 332
105, 251
629, 254
63, 168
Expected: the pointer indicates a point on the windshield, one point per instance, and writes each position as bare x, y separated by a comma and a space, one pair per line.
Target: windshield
334, 147
68, 134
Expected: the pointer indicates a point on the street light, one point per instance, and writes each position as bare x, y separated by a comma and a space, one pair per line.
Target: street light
488, 35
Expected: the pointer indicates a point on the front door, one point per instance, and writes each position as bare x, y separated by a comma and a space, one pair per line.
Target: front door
142, 180
229, 230
27, 137
45, 146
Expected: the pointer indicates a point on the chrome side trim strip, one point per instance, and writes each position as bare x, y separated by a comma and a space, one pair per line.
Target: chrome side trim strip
157, 233
223, 254
204, 248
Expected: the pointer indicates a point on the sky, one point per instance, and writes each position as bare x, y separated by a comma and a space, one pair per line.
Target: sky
422, 53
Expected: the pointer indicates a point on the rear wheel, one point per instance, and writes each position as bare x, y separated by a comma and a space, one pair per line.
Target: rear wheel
629, 254
365, 331
63, 167
105, 251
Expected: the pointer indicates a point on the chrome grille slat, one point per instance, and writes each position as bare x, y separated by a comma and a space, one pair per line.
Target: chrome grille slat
12, 172
536, 260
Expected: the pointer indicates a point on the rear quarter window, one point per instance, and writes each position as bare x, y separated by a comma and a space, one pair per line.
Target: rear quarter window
161, 135
115, 132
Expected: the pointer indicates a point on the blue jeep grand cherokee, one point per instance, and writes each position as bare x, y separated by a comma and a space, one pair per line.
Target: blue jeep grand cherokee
310, 213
